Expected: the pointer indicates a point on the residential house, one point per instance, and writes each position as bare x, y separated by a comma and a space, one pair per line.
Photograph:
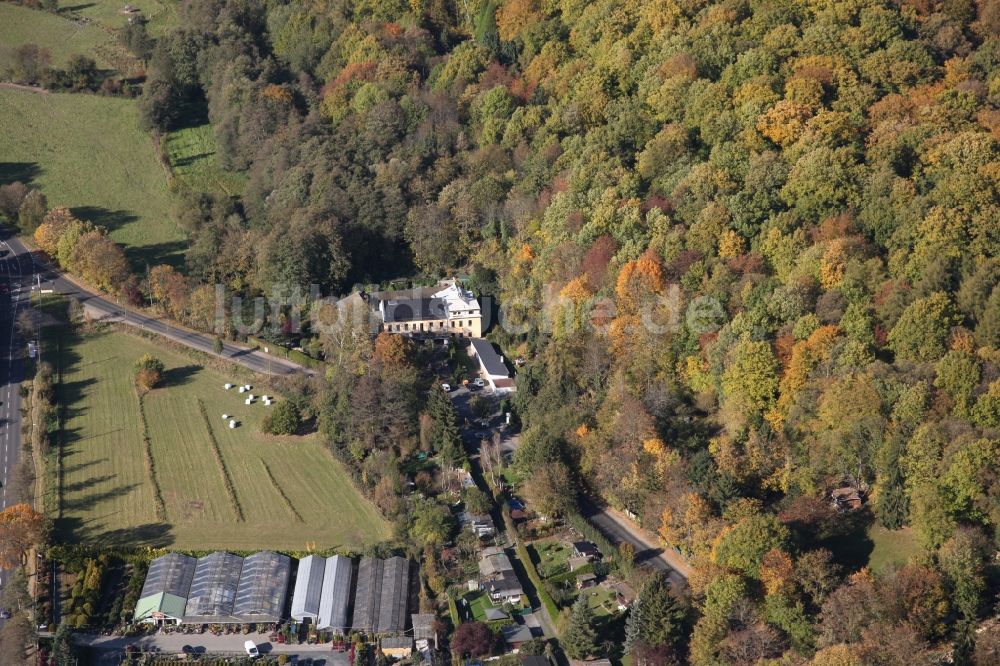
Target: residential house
443, 311
491, 365
497, 577
505, 589
846, 499
516, 635
586, 549
481, 526
585, 581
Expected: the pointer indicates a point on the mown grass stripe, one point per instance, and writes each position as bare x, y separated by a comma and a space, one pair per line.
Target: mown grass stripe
227, 480
147, 451
281, 493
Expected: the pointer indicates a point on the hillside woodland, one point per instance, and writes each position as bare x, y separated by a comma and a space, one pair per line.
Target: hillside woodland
748, 247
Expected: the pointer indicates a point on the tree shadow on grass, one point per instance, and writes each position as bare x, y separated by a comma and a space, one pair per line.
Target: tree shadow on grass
111, 220
170, 252
25, 172
191, 159
179, 376
76, 8
72, 529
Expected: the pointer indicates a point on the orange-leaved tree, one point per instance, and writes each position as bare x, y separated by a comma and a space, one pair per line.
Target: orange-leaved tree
21, 527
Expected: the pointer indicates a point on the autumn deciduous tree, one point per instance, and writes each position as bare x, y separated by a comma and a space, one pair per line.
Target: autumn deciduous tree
637, 281
168, 287
51, 229
21, 527
750, 380
743, 546
922, 330
473, 639
551, 491
391, 350
148, 372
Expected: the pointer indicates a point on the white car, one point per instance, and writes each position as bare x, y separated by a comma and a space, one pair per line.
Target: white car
251, 648
446, 388
480, 382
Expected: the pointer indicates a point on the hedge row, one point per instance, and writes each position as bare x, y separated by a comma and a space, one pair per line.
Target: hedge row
536, 580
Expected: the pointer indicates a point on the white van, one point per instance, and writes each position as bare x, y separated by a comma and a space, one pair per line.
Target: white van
251, 648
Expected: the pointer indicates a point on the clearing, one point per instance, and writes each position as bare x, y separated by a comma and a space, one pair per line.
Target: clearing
191, 152
220, 487
89, 153
892, 547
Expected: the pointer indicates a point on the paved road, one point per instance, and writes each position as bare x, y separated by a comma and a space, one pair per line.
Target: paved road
15, 273
619, 528
108, 310
232, 644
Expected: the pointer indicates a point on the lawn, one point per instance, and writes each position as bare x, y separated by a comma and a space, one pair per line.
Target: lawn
602, 600
219, 487
90, 154
552, 557
60, 35
892, 547
193, 162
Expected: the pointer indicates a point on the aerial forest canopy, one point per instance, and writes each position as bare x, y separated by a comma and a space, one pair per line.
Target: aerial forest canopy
788, 212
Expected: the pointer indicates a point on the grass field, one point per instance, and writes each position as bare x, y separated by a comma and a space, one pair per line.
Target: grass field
61, 36
160, 14
192, 159
285, 492
892, 547
89, 153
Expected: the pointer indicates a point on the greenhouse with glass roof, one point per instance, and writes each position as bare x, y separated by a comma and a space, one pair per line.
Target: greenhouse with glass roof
263, 584
165, 591
213, 589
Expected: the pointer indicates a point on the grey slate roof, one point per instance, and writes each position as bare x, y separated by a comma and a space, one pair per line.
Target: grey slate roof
423, 626
414, 309
489, 358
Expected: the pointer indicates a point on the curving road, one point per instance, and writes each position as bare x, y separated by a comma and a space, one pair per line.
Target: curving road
47, 277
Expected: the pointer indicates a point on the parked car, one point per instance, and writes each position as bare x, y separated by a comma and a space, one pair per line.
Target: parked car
446, 388
480, 382
251, 648
4, 614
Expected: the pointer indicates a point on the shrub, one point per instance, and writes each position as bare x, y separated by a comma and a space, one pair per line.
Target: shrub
283, 420
148, 371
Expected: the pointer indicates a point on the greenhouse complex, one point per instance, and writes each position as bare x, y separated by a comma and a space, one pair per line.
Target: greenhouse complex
222, 588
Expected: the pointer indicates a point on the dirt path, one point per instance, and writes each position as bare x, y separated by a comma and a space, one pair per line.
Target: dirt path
17, 86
